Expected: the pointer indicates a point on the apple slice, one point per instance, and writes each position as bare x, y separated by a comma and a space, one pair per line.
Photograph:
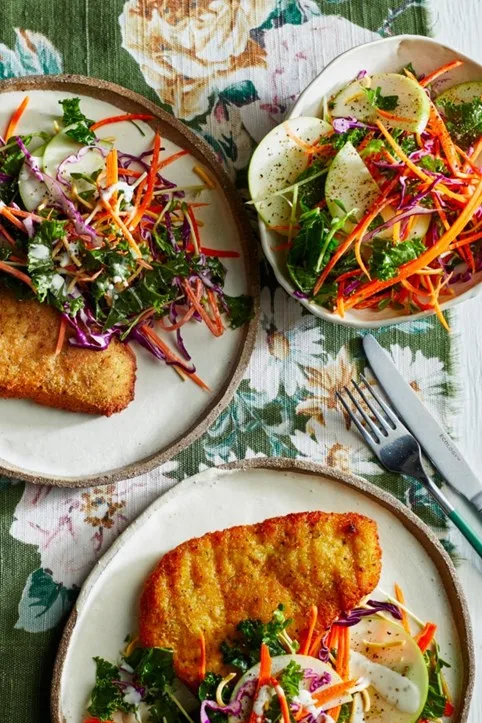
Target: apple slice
389, 657
413, 104
279, 663
61, 147
276, 164
31, 190
350, 185
462, 93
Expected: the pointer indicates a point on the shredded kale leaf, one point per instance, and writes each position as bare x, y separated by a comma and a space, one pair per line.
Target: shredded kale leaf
313, 246
464, 120
289, 680
387, 257
49, 286
436, 698
377, 100
345, 713
240, 309
207, 691
430, 163
106, 697
410, 69
243, 652
72, 114
11, 161
406, 141
353, 136
309, 194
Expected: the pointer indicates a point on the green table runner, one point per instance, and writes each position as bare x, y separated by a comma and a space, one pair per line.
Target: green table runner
230, 69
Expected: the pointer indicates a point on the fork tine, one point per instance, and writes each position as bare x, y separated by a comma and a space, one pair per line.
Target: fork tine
376, 431
388, 411
383, 421
366, 436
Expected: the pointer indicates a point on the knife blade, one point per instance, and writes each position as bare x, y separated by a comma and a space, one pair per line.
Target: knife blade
435, 442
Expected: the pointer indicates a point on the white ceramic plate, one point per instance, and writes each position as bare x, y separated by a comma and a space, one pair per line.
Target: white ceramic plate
387, 55
105, 611
57, 447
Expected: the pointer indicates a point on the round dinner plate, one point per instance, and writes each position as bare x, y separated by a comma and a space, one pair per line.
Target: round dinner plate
246, 493
51, 446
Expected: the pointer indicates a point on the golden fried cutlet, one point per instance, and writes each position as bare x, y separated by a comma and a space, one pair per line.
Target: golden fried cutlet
211, 583
78, 380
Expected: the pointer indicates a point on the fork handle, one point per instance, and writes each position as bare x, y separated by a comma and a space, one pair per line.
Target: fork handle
468, 532
460, 522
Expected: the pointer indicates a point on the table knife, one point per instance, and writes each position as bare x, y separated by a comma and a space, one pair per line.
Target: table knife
435, 442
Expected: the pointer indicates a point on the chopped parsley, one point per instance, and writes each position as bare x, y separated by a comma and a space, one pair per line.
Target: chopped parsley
464, 120
73, 116
387, 257
377, 100
243, 652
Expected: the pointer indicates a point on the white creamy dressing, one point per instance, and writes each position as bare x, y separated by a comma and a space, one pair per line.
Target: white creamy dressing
264, 696
397, 690
305, 700
57, 282
127, 190
39, 252
357, 712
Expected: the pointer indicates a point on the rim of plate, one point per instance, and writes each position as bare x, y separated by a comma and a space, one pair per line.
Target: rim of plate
131, 101
416, 527
264, 235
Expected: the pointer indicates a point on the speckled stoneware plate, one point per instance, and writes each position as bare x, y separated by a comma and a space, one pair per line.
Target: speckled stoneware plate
249, 492
382, 56
55, 447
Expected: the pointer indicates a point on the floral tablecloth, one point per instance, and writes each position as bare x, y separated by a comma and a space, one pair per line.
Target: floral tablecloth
230, 69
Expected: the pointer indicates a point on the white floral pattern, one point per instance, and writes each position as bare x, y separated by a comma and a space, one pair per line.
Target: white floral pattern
288, 341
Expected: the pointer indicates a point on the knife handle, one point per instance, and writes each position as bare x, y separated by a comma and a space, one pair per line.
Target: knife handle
468, 532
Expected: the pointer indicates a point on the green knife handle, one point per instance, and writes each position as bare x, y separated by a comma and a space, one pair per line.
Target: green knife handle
467, 531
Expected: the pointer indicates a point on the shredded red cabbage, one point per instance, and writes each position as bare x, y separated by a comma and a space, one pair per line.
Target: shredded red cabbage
342, 125
362, 74
75, 158
354, 617
401, 217
316, 680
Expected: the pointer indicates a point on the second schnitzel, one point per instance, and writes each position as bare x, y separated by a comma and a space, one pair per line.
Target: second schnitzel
207, 585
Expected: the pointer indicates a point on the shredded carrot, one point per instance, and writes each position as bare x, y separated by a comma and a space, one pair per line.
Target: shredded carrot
112, 175
332, 640
440, 71
359, 230
401, 599
15, 272
4, 211
415, 169
120, 224
332, 692
171, 357
195, 231
212, 324
61, 336
150, 181
448, 146
435, 291
393, 117
315, 645
424, 259
119, 118
7, 237
311, 628
202, 657
441, 212
264, 675
283, 703
215, 253
425, 638
171, 159
204, 176
16, 117
473, 166
466, 240
130, 172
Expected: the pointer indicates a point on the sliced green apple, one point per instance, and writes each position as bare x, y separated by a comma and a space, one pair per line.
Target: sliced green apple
388, 656
277, 162
279, 663
413, 105
32, 191
462, 93
350, 186
61, 147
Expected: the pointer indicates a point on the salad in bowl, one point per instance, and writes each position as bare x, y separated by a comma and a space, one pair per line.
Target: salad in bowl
371, 207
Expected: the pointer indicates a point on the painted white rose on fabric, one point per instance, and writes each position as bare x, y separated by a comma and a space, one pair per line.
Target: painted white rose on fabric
288, 342
73, 528
188, 50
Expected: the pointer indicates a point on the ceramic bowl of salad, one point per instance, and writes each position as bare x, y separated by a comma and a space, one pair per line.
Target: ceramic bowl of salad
369, 195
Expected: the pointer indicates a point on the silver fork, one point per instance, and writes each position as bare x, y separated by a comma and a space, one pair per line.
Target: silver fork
398, 450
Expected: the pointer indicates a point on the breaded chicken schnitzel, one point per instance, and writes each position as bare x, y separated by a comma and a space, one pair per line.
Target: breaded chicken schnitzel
211, 583
78, 380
